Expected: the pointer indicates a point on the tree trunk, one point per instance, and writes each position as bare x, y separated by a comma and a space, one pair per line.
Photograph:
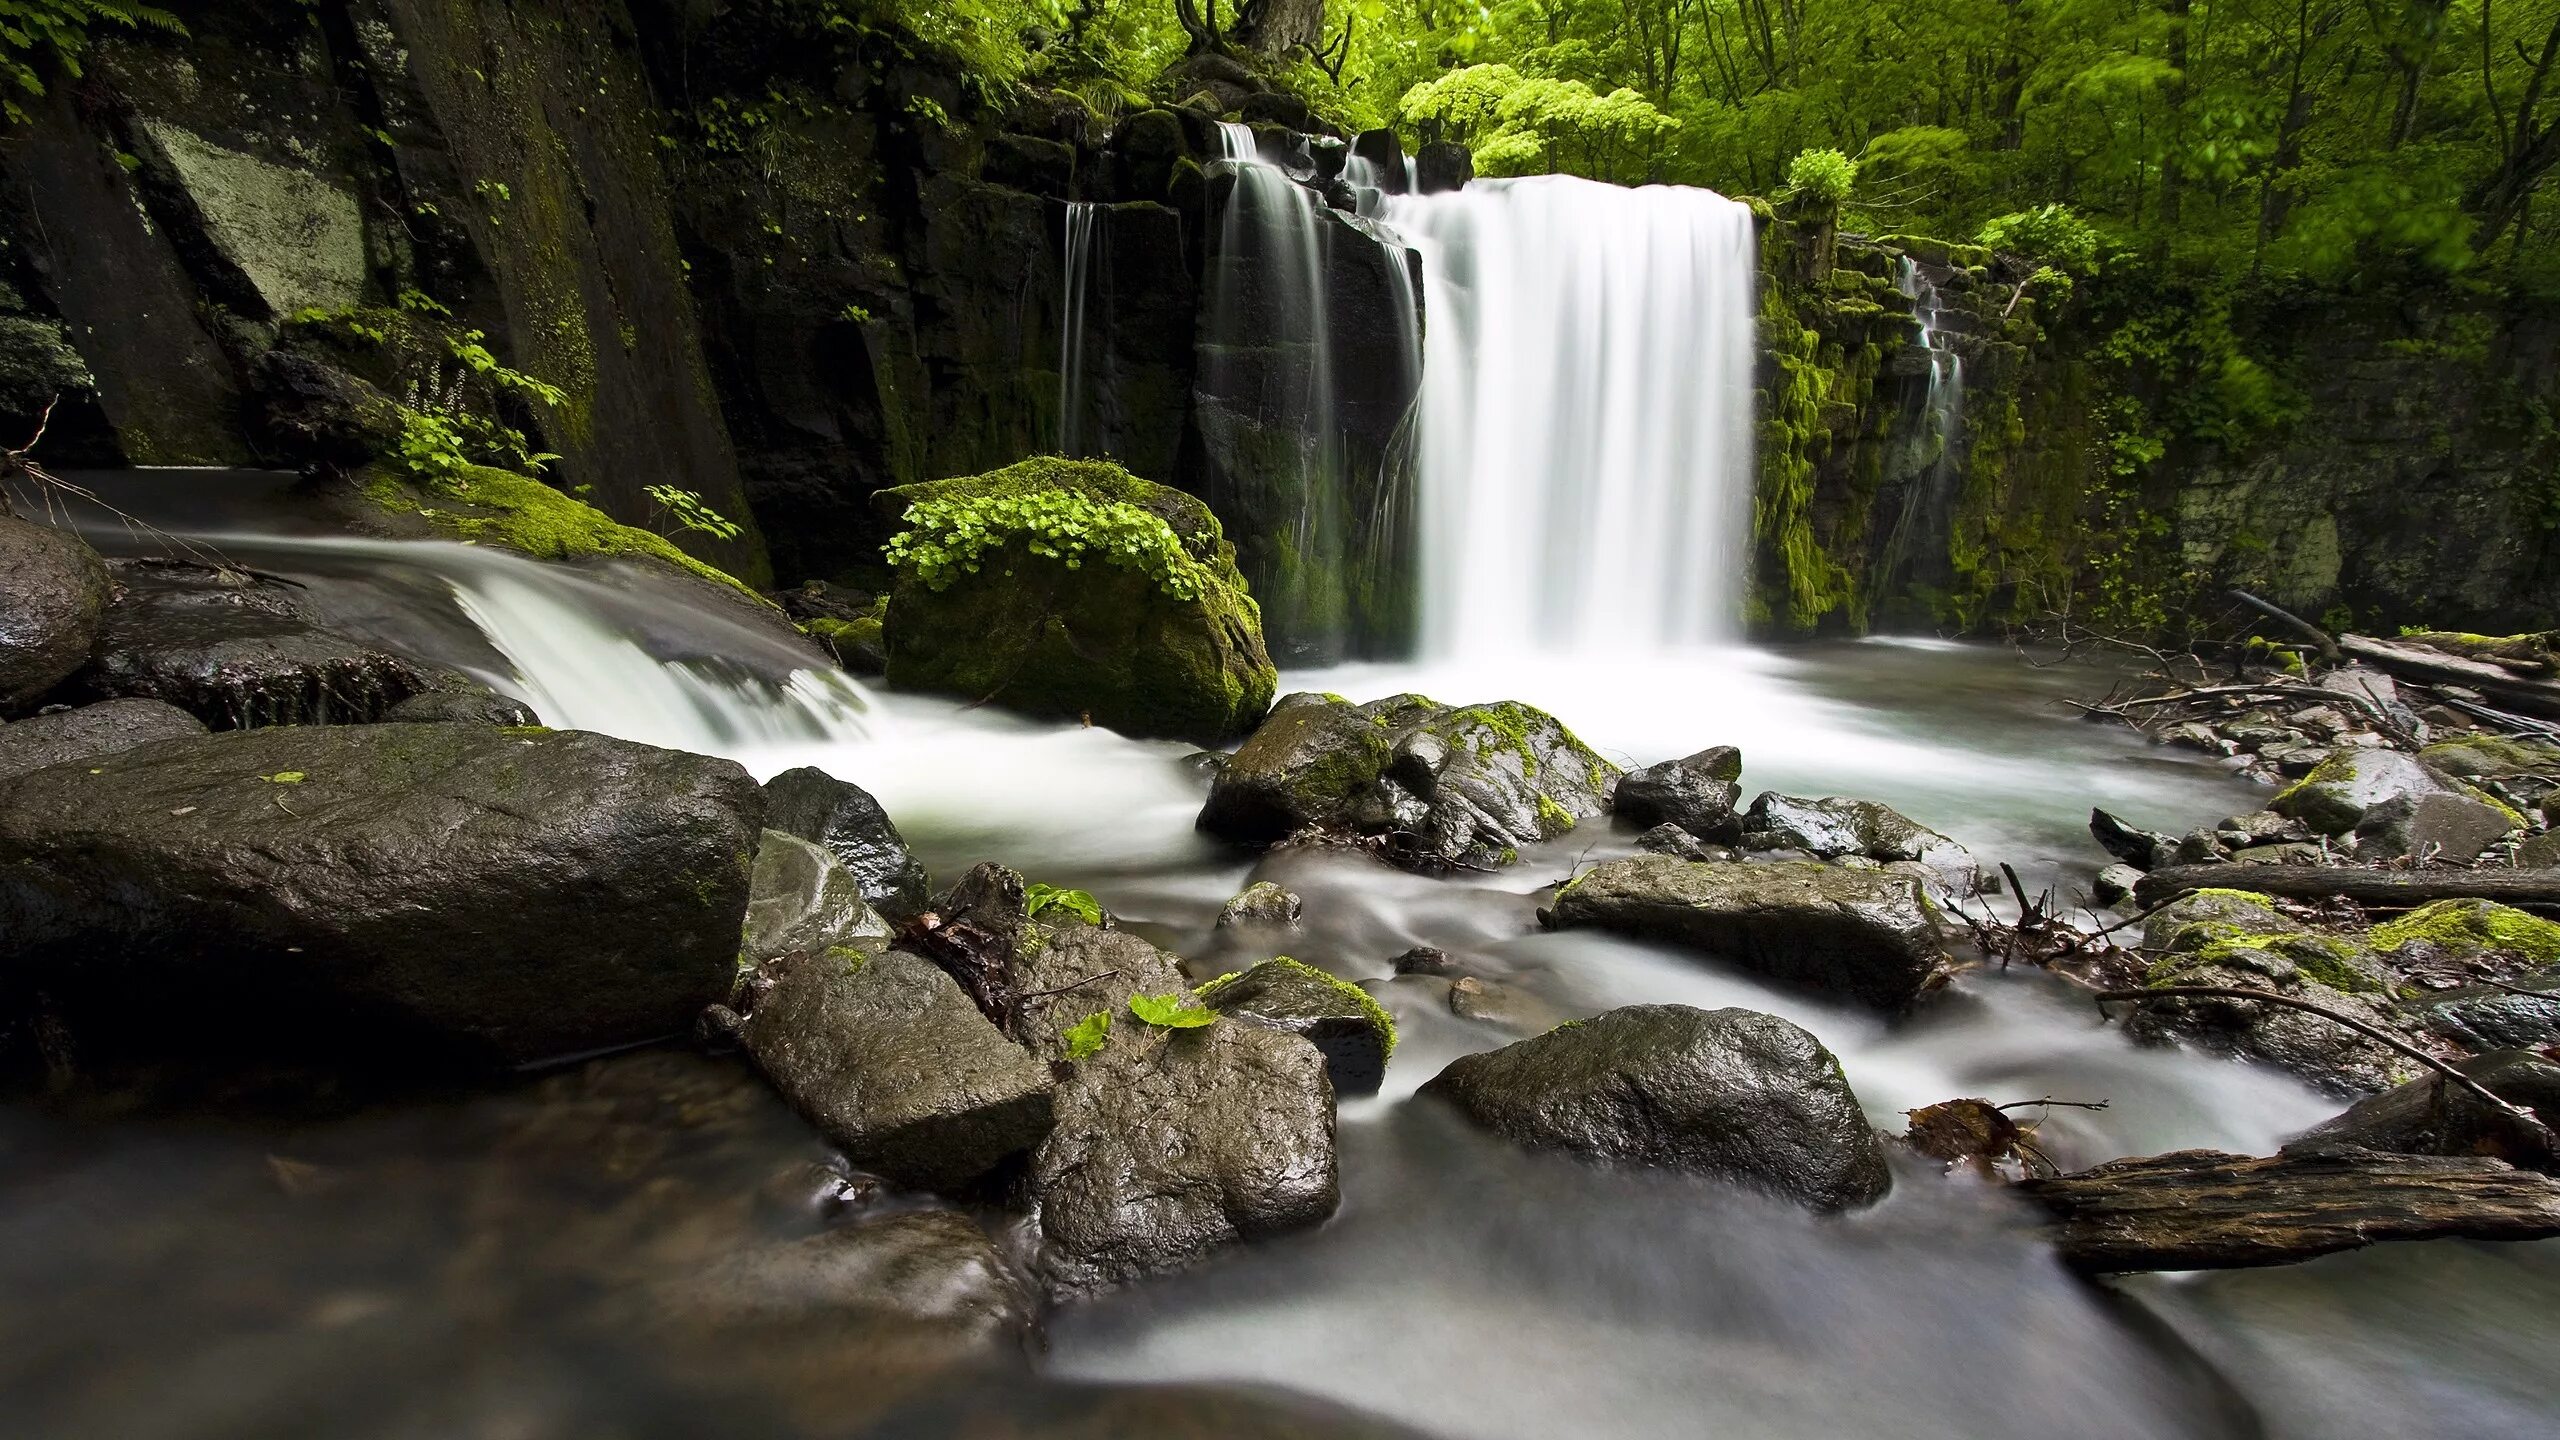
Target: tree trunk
2394, 889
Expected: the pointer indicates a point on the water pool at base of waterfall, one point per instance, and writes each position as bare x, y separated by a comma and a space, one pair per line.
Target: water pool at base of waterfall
482, 1263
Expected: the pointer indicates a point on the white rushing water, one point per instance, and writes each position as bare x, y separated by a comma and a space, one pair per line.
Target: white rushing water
1586, 414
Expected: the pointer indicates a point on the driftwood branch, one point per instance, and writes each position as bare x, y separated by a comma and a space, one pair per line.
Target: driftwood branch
2434, 667
2385, 889
2322, 639
2202, 1209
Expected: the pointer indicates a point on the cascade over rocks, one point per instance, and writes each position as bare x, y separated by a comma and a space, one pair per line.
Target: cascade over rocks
493, 896
844, 819
1868, 934
90, 731
1431, 785
1696, 793
1731, 1093
1152, 634
53, 593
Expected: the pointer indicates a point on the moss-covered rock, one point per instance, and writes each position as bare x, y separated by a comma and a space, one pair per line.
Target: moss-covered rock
488, 506
2238, 939
1355, 1033
1070, 588
2469, 930
1434, 785
2338, 792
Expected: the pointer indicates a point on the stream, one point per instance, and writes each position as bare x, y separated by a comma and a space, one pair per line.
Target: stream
459, 1264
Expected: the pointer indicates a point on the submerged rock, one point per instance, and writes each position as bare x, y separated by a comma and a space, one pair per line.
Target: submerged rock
801, 902
1869, 934
844, 819
53, 592
1730, 1093
1353, 1031
1095, 595
90, 731
1696, 794
500, 896
1172, 1144
1431, 785
890, 1059
238, 651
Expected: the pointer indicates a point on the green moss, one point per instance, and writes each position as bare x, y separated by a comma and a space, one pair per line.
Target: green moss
500, 507
1366, 1003
2460, 925
1552, 817
2204, 945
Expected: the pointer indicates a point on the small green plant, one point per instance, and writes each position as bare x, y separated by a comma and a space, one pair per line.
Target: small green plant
686, 510
929, 110
1085, 1037
950, 537
283, 777
475, 357
419, 302
495, 191
1040, 897
856, 314
348, 323
1824, 176
1171, 1012
430, 450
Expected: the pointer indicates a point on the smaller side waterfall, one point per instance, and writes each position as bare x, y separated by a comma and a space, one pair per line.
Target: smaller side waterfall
1931, 462
1084, 221
1945, 401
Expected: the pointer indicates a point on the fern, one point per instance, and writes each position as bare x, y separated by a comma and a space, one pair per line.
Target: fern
37, 35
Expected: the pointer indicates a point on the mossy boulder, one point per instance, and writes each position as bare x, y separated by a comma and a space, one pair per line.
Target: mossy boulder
2493, 757
1067, 589
2238, 939
489, 506
1353, 1031
1432, 785
53, 592
2334, 797
2469, 932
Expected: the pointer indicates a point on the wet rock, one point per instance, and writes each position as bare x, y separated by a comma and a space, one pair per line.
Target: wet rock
2486, 1017
2230, 938
1507, 1007
1867, 934
1697, 793
2428, 1117
850, 825
1178, 654
2115, 884
801, 902
1384, 152
1262, 903
105, 728
1352, 1031
53, 593
922, 1276
319, 417
2142, 849
1431, 785
237, 651
502, 897
1672, 840
1080, 970
1172, 1144
1443, 165
1730, 1093
459, 701
2333, 798
2451, 828
1425, 960
891, 1060
1831, 827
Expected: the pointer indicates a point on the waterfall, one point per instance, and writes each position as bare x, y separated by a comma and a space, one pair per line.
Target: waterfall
1931, 463
1945, 400
1585, 427
1083, 219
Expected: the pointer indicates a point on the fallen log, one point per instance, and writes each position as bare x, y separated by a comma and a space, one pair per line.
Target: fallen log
2207, 1210
2429, 666
2382, 889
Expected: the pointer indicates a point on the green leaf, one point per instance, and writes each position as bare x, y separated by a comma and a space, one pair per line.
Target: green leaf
1085, 1037
283, 777
1040, 897
1171, 1012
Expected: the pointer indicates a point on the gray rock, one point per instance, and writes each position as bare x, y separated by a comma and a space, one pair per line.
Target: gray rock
1085, 969
892, 1062
2200, 846
2114, 883
1433, 785
801, 902
823, 810
2451, 828
1832, 826
2484, 1017
238, 651
2427, 1117
1507, 1007
53, 591
2234, 939
295, 239
1262, 903
1425, 960
1867, 934
90, 731
506, 897
1730, 1093
1672, 840
2542, 852
2142, 849
1353, 1032
1173, 1144
1696, 793
2334, 797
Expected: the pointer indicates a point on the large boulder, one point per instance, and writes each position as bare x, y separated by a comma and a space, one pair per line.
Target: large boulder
801, 902
2335, 796
1069, 971
236, 650
1432, 785
1730, 1093
1696, 793
1864, 933
892, 1061
2454, 829
1171, 1144
1074, 589
843, 818
1353, 1031
503, 896
53, 590
90, 731
2237, 939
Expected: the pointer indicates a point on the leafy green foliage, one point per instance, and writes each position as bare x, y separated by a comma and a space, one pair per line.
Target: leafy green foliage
686, 510
1523, 124
1086, 1037
2049, 234
1823, 176
41, 35
1177, 1011
1038, 897
948, 538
